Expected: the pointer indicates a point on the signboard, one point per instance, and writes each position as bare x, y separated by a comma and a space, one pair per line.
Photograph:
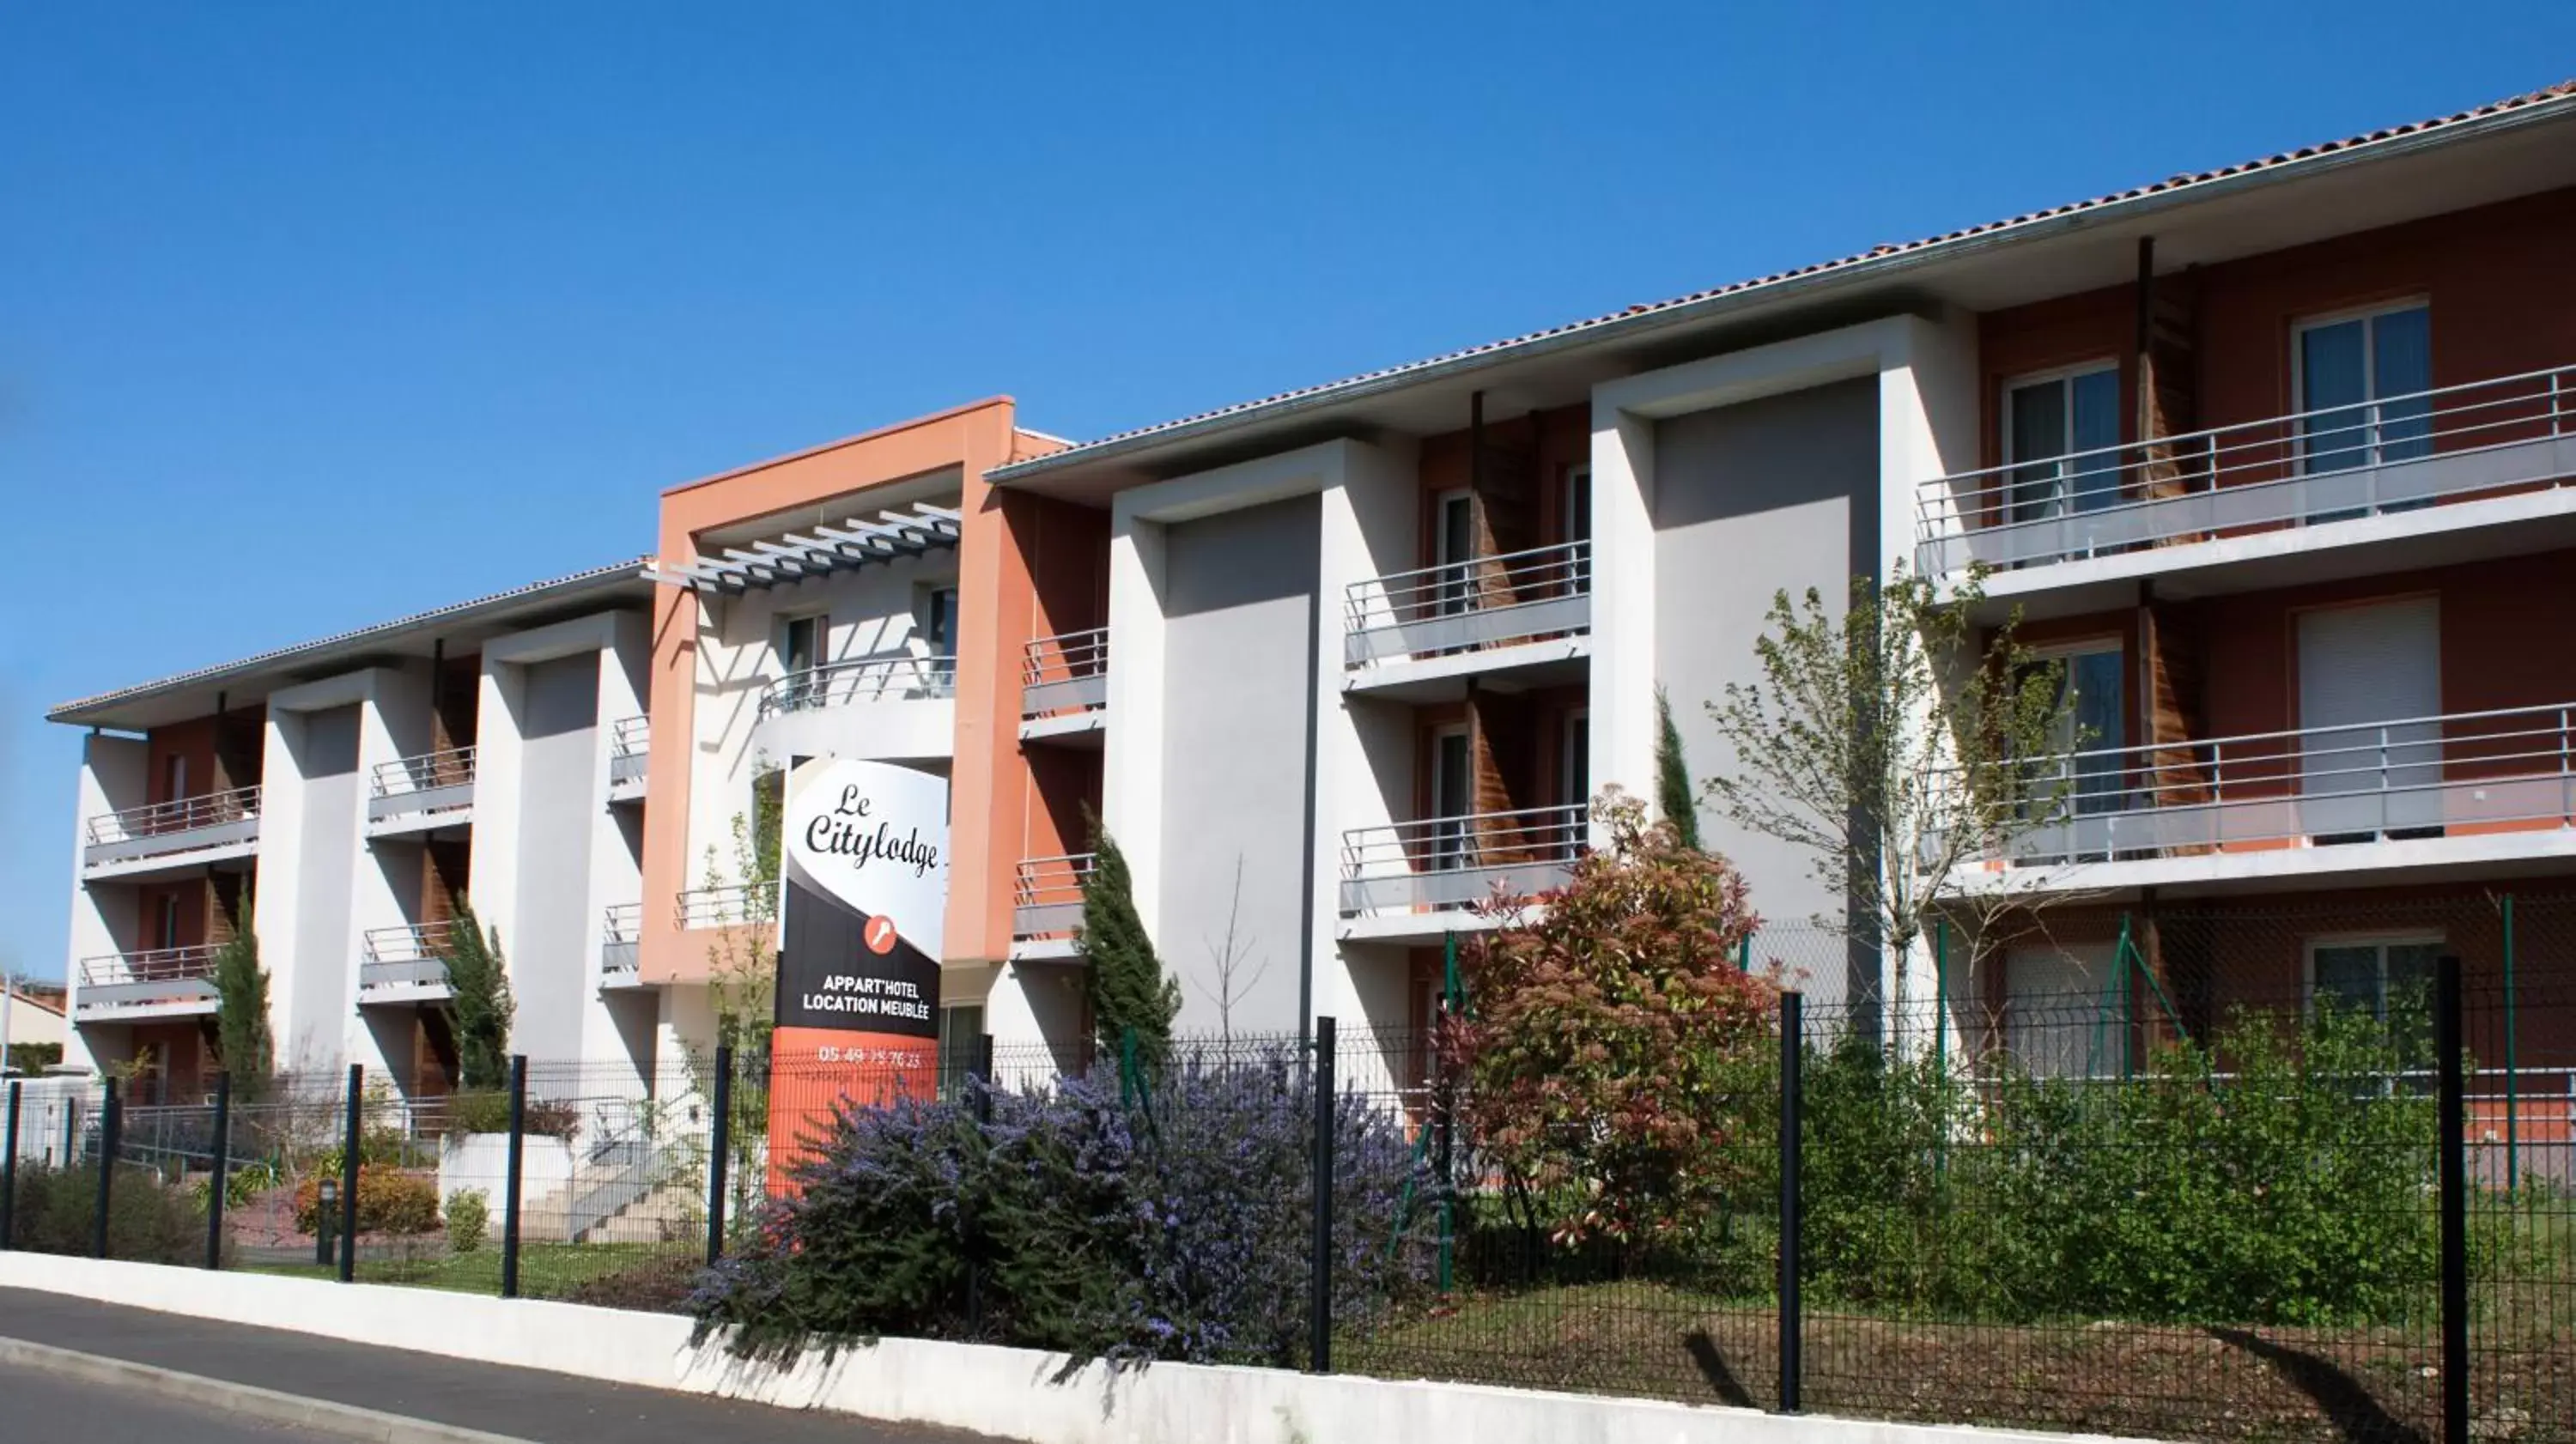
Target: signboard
865, 882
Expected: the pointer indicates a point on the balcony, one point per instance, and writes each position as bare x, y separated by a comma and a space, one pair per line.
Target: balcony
1411, 872
1064, 685
1046, 899
891, 709
630, 742
2246, 493
621, 939
159, 983
1487, 614
2466, 787
730, 905
422, 794
406, 964
188, 831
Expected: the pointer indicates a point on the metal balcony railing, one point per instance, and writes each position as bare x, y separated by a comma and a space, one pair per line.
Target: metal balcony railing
2404, 778
1480, 602
873, 679
154, 975
717, 907
1443, 862
429, 782
621, 938
1046, 894
2310, 468
183, 824
410, 954
630, 740
1065, 673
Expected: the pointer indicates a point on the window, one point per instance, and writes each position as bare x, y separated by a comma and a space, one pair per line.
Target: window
2371, 975
1578, 526
2047, 422
938, 620
1574, 774
800, 651
2360, 380
1453, 543
2096, 725
2370, 685
961, 1046
1452, 783
165, 921
174, 777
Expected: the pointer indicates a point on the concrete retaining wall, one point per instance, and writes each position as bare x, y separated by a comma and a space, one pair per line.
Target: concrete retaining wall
1012, 1393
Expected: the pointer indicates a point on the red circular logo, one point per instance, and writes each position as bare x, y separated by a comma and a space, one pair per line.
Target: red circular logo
879, 934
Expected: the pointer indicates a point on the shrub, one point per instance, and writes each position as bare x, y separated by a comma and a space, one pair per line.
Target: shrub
1175, 1230
56, 1211
2277, 1174
488, 1111
468, 1213
1613, 1051
389, 1201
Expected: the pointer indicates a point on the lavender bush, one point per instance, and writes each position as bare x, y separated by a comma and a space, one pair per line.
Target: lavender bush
1175, 1227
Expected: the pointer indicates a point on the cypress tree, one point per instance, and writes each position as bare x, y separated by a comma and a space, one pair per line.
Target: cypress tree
479, 1007
1672, 777
1124, 981
242, 1039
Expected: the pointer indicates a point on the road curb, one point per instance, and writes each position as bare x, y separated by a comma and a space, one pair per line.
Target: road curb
246, 1400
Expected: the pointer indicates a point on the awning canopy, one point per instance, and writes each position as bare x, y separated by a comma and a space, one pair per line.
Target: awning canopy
817, 551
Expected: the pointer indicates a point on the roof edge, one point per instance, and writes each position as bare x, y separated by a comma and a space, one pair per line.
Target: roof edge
596, 578
876, 434
2531, 108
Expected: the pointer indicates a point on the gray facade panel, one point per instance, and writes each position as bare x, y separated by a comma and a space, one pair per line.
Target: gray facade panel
549, 973
323, 746
1750, 500
1239, 661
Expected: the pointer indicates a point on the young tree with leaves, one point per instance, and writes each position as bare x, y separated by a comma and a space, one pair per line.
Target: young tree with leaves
743, 958
1613, 1051
1124, 980
1900, 746
479, 1006
1675, 798
242, 1038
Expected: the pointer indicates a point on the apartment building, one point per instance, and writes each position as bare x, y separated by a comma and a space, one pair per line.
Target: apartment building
339, 799
2275, 458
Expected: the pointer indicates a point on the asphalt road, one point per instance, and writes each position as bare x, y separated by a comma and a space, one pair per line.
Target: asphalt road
541, 1408
46, 1407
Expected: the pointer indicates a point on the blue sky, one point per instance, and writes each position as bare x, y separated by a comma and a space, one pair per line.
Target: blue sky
315, 315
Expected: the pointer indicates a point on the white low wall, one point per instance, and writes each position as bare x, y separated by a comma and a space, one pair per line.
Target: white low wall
1012, 1393
482, 1161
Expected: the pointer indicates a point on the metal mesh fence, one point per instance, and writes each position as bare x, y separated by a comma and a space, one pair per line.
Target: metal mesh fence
2170, 1173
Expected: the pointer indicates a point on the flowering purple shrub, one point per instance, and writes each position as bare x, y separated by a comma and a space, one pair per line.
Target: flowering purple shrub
1176, 1228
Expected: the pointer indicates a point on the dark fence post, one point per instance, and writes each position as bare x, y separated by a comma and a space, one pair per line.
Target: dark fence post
510, 1207
223, 1148
717, 1156
979, 1092
1319, 1304
1792, 1215
110, 1121
9, 1176
2455, 1200
350, 1148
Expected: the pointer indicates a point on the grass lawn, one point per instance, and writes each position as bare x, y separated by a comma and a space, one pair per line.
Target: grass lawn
546, 1270
2368, 1386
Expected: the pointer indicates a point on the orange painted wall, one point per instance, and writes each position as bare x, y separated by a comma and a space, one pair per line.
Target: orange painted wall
2500, 621
2503, 302
973, 438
